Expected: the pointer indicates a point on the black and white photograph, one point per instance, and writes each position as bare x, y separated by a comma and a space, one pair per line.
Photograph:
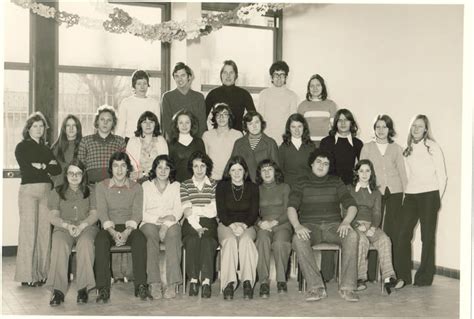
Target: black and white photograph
230, 159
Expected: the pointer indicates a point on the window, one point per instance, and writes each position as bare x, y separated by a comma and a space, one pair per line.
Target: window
17, 89
97, 68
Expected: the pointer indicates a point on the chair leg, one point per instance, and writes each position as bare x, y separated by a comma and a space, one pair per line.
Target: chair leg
184, 270
339, 267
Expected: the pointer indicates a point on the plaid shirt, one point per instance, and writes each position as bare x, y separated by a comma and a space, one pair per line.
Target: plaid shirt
95, 151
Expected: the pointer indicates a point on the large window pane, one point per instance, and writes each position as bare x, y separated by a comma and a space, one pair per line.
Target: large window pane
17, 30
98, 48
233, 43
15, 113
82, 94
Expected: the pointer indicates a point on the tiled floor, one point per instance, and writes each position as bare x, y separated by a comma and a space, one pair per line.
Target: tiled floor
439, 300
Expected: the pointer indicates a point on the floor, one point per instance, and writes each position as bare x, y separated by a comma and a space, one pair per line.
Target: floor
440, 300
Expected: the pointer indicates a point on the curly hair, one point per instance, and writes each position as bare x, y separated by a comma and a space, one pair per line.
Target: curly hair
203, 157
165, 158
103, 109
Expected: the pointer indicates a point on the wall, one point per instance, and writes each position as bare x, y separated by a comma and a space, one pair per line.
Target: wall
396, 59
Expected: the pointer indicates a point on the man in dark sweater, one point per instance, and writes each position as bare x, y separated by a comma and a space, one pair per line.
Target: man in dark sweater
237, 98
318, 198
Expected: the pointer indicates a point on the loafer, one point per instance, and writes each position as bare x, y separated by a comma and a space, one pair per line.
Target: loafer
229, 291
316, 294
361, 285
170, 292
82, 296
193, 289
349, 295
57, 298
264, 290
103, 295
248, 290
143, 292
393, 284
155, 291
282, 287
206, 291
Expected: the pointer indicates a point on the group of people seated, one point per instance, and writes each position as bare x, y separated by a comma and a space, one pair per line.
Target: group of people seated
219, 180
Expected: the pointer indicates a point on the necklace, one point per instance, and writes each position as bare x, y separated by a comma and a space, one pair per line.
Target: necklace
235, 189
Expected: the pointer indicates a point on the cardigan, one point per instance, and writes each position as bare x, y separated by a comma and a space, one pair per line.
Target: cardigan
173, 101
156, 204
265, 149
389, 168
180, 154
238, 99
231, 210
129, 112
134, 150
345, 156
28, 152
274, 202
293, 162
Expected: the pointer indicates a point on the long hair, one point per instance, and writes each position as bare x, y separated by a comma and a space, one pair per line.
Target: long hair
35, 117
237, 159
427, 135
169, 163
324, 91
150, 116
348, 115
174, 134
61, 190
389, 123
218, 108
120, 156
372, 179
278, 172
296, 117
203, 157
61, 145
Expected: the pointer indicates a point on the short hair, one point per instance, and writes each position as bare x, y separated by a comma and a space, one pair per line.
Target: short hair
140, 75
35, 117
324, 91
372, 179
297, 117
174, 134
278, 172
61, 190
348, 115
249, 117
279, 66
150, 116
120, 156
218, 108
322, 154
182, 66
61, 144
234, 67
237, 159
388, 121
102, 109
198, 155
169, 163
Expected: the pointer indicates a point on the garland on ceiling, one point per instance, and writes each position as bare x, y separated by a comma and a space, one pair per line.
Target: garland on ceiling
119, 21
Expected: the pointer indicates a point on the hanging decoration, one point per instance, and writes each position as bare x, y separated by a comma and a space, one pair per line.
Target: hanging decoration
119, 21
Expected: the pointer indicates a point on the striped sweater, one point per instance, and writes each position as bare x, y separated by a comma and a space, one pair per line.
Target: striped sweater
318, 199
202, 202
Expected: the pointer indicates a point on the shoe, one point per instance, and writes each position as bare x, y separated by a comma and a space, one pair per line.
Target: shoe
57, 298
193, 289
155, 291
206, 291
282, 287
393, 283
264, 290
40, 283
28, 284
103, 295
349, 295
82, 296
361, 285
170, 292
229, 291
143, 292
248, 290
316, 294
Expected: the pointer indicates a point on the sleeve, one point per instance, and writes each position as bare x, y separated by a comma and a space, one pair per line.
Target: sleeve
165, 115
53, 206
222, 212
345, 197
162, 146
209, 101
93, 215
82, 152
377, 210
122, 118
249, 105
205, 140
281, 157
53, 169
131, 151
254, 205
283, 218
53, 200
300, 108
177, 208
201, 115
400, 163
274, 151
261, 103
440, 167
184, 193
332, 109
200, 145
210, 210
137, 207
358, 147
296, 195
364, 153
294, 103
102, 207
22, 157
235, 149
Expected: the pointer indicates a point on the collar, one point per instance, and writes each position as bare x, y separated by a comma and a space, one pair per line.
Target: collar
112, 183
99, 138
205, 181
359, 186
349, 138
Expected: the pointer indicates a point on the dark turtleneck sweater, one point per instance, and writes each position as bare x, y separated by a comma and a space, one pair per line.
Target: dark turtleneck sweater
237, 98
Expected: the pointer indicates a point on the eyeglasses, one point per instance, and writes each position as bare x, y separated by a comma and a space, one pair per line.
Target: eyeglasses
222, 115
74, 174
279, 75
